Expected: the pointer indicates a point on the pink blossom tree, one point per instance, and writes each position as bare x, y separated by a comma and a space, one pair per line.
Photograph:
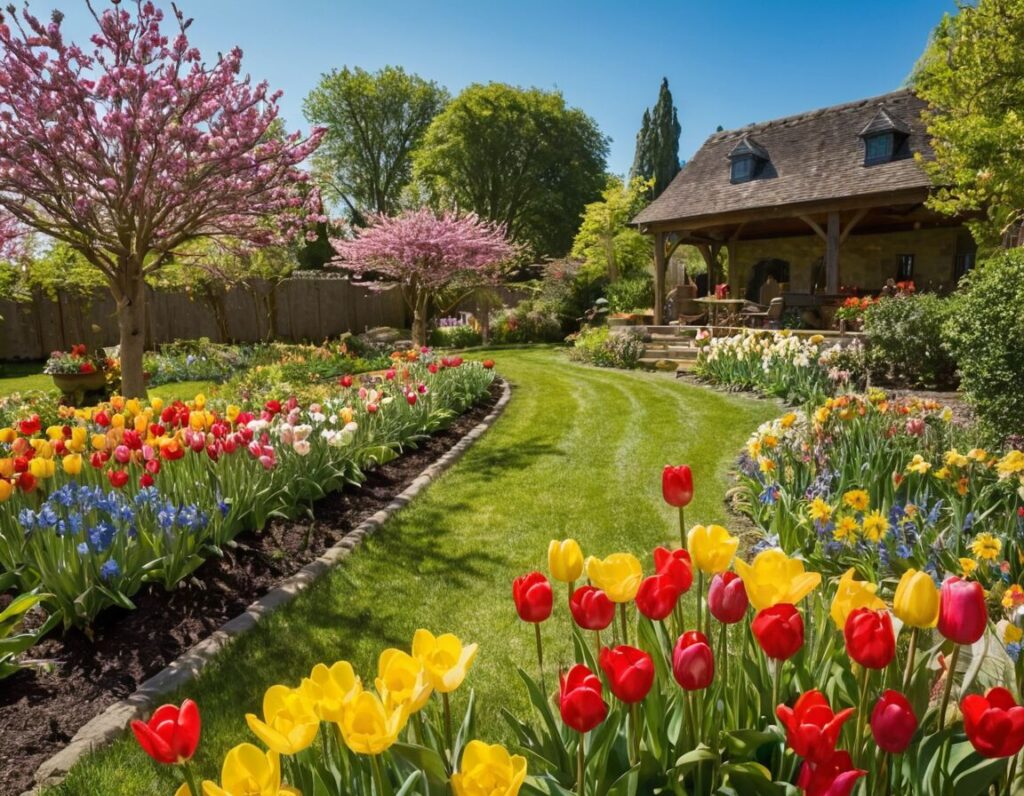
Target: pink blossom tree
134, 147
424, 253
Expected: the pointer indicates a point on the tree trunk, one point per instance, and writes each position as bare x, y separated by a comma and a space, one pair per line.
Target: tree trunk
131, 323
419, 318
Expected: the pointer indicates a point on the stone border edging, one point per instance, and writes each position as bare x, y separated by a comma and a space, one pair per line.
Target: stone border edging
111, 723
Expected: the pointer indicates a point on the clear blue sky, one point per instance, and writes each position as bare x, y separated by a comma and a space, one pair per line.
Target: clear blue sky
728, 63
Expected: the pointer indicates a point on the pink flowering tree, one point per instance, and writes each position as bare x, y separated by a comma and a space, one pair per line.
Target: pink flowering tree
134, 146
426, 253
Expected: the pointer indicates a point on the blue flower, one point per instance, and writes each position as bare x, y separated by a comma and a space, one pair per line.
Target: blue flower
903, 551
27, 519
766, 543
101, 536
110, 570
83, 549
770, 495
969, 521
933, 515
47, 517
1013, 650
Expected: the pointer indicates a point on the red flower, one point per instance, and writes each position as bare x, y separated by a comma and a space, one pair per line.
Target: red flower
117, 478
693, 663
432, 367
677, 565
812, 729
591, 608
962, 614
630, 672
835, 776
274, 407
411, 398
102, 418
893, 722
727, 598
579, 699
145, 480
172, 734
869, 638
994, 723
389, 375
26, 482
657, 597
779, 630
86, 367
78, 350
677, 485
345, 381
532, 596
31, 426
488, 364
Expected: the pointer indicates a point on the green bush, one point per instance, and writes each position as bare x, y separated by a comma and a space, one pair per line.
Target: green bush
596, 345
985, 335
906, 344
455, 337
530, 322
633, 293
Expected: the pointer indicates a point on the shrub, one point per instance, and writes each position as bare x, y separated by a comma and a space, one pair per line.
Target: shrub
529, 322
631, 294
906, 340
596, 345
984, 335
461, 336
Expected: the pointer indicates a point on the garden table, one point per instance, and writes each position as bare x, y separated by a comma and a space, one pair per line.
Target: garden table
714, 305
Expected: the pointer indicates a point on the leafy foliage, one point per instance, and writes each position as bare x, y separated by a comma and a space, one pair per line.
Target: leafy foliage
906, 341
598, 346
657, 144
529, 322
631, 294
605, 242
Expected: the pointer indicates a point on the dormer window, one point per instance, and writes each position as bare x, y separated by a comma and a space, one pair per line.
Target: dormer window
885, 139
747, 160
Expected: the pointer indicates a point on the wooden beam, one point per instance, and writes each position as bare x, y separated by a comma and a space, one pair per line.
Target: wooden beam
659, 278
832, 254
815, 226
852, 223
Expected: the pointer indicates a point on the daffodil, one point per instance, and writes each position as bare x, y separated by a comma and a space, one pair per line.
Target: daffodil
249, 771
852, 594
290, 722
619, 575
918, 465
775, 578
368, 727
330, 689
565, 560
711, 548
488, 770
445, 659
954, 458
402, 680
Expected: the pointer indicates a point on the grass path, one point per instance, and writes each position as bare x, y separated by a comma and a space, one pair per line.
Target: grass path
578, 452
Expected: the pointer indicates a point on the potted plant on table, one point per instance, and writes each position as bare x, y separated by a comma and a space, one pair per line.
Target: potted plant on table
77, 371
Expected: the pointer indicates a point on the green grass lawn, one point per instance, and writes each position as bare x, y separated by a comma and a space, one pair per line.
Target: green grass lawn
578, 452
24, 376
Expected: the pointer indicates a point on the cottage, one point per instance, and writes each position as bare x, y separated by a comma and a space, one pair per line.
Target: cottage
827, 203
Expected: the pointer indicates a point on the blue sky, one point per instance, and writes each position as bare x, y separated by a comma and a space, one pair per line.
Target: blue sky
728, 63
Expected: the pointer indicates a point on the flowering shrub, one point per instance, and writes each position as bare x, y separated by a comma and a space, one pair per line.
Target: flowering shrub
529, 322
76, 361
906, 343
197, 360
854, 308
457, 335
597, 345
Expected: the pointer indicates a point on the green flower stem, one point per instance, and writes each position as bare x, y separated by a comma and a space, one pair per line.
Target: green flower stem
1011, 775
700, 598
862, 709
724, 653
597, 645
190, 779
540, 656
682, 527
634, 727
625, 623
580, 765
378, 777
776, 677
449, 746
950, 675
910, 660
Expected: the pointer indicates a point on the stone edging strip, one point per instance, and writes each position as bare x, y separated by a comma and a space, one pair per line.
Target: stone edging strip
111, 723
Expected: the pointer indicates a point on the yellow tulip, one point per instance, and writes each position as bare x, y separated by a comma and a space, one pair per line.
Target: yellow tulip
444, 657
42, 448
141, 423
72, 463
232, 412
619, 576
776, 578
852, 594
290, 724
6, 467
99, 442
916, 602
54, 432
346, 415
79, 436
489, 770
711, 548
6, 488
329, 690
42, 468
183, 790
156, 404
132, 406
402, 680
8, 435
565, 560
369, 728
117, 421
249, 771
200, 401
117, 402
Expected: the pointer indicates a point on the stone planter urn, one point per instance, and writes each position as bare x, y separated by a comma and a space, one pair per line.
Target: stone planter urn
73, 383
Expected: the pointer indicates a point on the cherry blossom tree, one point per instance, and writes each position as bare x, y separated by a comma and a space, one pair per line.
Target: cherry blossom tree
425, 253
134, 147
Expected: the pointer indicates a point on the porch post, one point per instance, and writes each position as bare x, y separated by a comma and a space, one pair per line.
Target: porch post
659, 278
832, 254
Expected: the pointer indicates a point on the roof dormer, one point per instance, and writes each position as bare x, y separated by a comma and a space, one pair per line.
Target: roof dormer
747, 160
885, 138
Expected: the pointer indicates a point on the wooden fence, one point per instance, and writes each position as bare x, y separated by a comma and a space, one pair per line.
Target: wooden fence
294, 310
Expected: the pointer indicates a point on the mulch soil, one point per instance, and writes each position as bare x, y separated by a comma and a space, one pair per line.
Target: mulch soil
41, 708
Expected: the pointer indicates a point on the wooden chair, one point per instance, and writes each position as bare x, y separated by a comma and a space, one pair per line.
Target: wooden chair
770, 318
689, 312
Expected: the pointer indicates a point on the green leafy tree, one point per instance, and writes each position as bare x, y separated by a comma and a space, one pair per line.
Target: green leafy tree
972, 75
374, 121
657, 143
606, 242
518, 157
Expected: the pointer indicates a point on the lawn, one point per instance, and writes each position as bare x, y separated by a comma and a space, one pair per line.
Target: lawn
24, 376
578, 452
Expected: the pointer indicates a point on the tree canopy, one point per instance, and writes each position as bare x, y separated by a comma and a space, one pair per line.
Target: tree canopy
657, 143
606, 243
972, 74
519, 157
374, 121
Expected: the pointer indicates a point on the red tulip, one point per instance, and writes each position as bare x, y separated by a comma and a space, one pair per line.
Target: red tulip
31, 426
579, 699
345, 381
117, 478
657, 596
962, 614
994, 723
630, 672
677, 565
488, 364
812, 729
693, 663
869, 637
677, 485
145, 480
171, 734
102, 418
893, 722
727, 598
26, 482
835, 776
591, 608
411, 398
779, 630
532, 596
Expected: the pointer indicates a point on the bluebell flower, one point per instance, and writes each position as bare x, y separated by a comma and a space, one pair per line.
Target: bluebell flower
969, 521
110, 570
903, 551
833, 548
770, 495
1013, 650
101, 536
47, 517
75, 523
83, 549
27, 519
933, 515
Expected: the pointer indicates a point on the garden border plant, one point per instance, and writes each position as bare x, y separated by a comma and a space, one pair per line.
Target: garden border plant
115, 718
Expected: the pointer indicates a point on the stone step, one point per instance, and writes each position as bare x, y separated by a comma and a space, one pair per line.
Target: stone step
684, 354
667, 364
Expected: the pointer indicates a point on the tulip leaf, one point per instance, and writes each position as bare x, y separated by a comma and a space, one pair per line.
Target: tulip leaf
975, 774
554, 740
627, 784
467, 730
752, 779
745, 743
425, 760
544, 786
409, 784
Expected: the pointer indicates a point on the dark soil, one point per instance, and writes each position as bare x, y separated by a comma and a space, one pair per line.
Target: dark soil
42, 708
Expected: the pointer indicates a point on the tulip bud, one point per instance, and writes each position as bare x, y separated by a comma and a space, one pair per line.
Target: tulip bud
693, 663
869, 638
677, 485
727, 598
171, 735
579, 700
962, 613
916, 602
712, 548
676, 564
893, 722
565, 560
779, 631
630, 672
591, 609
657, 597
532, 596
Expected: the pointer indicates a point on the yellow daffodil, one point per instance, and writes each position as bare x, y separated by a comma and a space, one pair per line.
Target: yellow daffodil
444, 657
852, 594
289, 721
968, 566
775, 578
875, 525
977, 454
846, 530
249, 771
402, 681
711, 548
918, 465
488, 770
369, 728
954, 458
619, 575
819, 511
986, 547
72, 463
916, 602
330, 689
856, 499
565, 560
6, 489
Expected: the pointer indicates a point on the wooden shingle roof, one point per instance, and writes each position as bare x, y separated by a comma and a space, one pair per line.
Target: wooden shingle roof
816, 156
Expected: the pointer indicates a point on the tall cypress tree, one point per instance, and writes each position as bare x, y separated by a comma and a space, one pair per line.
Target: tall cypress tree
657, 143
